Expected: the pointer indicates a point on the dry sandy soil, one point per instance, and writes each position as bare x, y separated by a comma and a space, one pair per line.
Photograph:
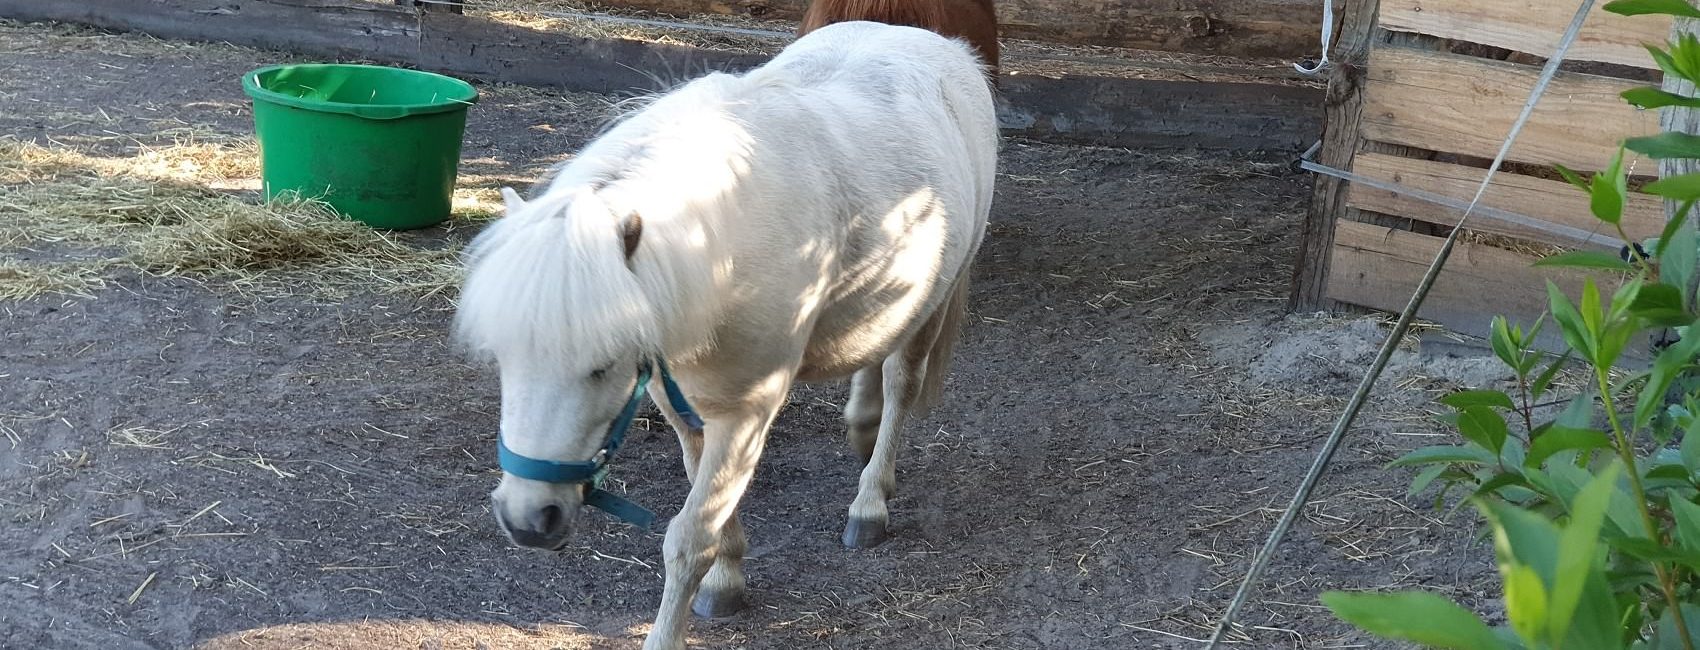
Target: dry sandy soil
196, 461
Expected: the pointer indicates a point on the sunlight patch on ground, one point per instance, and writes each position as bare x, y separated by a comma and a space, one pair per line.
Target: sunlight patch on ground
410, 633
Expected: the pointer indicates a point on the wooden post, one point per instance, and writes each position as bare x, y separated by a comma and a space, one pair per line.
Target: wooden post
1679, 119
1343, 108
1260, 28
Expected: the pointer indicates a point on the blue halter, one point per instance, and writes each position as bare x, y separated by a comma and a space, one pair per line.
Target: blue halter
593, 471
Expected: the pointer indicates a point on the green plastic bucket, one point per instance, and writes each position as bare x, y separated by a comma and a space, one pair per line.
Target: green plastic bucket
380, 145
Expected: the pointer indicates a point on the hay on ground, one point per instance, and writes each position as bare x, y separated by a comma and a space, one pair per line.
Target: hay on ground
158, 212
21, 280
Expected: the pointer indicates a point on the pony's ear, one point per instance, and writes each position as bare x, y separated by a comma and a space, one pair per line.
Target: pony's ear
631, 232
510, 197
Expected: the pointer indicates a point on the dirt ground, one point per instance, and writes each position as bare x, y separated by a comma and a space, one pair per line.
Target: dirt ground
190, 464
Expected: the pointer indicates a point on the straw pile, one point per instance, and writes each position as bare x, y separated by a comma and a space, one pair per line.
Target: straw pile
169, 211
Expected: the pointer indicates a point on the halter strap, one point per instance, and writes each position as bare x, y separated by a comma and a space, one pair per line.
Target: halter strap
593, 471
676, 398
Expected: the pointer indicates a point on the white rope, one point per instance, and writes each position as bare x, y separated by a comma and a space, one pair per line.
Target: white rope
1332, 444
1327, 41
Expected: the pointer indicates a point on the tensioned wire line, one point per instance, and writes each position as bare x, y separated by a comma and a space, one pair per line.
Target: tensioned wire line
1332, 444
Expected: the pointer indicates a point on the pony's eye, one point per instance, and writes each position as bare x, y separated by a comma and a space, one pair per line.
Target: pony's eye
598, 374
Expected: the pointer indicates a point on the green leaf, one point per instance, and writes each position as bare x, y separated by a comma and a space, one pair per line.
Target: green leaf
1531, 360
1687, 517
1540, 483
1446, 454
1660, 304
1648, 550
1624, 298
1670, 362
1593, 315
1503, 346
1511, 454
1684, 187
1523, 537
1525, 601
1483, 426
1578, 549
1487, 398
1691, 446
1666, 62
1674, 223
1579, 413
1685, 52
1678, 254
1557, 439
1414, 616
1644, 7
1539, 386
1609, 191
1425, 478
1573, 177
1666, 146
1669, 473
1666, 477
1670, 636
1586, 260
1647, 97
1499, 481
1570, 323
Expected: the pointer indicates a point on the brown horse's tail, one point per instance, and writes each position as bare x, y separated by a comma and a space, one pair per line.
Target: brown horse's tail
974, 21
939, 356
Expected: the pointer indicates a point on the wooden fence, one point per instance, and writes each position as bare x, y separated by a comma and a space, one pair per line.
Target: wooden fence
1122, 110
1423, 96
1283, 28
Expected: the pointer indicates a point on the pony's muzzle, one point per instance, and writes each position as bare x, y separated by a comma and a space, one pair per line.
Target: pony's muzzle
536, 516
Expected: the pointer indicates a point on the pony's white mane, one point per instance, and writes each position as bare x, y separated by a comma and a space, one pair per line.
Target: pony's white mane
550, 280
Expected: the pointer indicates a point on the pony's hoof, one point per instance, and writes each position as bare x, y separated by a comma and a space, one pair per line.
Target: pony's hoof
864, 533
718, 604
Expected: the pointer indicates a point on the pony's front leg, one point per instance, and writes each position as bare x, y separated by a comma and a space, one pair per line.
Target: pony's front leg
721, 593
704, 529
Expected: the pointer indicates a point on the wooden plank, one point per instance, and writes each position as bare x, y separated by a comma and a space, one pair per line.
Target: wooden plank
1531, 26
1100, 110
1554, 202
1275, 28
1380, 268
1158, 113
1343, 107
1462, 104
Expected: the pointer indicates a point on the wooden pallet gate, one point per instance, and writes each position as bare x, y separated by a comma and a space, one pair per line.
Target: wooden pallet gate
1422, 95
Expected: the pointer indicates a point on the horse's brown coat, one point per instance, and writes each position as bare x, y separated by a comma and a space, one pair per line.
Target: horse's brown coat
974, 21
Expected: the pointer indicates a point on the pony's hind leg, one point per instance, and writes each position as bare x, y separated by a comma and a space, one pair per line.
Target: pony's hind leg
721, 593
862, 411
899, 384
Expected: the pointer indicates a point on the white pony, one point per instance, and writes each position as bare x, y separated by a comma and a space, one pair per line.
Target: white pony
811, 219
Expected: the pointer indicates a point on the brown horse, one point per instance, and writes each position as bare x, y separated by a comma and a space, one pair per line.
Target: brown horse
975, 21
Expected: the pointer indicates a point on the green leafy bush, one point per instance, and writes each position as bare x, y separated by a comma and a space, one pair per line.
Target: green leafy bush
1592, 506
